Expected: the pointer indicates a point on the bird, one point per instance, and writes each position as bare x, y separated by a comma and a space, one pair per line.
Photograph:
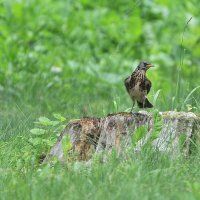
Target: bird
138, 85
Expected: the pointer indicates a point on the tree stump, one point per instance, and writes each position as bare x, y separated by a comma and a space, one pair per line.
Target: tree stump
177, 132
93, 135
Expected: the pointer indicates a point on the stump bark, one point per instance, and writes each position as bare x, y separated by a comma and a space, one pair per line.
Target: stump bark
116, 131
179, 131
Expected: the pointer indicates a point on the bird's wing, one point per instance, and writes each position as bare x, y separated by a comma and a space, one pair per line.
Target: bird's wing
148, 85
145, 85
127, 83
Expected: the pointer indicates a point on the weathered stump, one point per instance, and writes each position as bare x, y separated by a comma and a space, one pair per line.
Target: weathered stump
177, 132
93, 135
83, 133
116, 130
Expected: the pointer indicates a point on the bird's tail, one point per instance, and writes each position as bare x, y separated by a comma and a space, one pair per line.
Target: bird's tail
146, 104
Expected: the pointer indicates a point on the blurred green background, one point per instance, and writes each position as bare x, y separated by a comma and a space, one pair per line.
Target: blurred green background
72, 56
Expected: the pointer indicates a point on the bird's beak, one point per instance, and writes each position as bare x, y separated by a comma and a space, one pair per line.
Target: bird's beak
149, 65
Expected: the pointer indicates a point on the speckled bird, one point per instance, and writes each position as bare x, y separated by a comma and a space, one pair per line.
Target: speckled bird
138, 85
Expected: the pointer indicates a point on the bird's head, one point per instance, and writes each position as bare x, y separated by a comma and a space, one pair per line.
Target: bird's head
144, 66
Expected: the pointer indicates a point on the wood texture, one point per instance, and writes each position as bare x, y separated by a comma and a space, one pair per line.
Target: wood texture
94, 135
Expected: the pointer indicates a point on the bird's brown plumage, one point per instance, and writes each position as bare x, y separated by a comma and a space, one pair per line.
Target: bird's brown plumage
138, 86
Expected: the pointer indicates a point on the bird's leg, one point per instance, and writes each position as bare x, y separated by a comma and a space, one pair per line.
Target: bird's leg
143, 104
132, 107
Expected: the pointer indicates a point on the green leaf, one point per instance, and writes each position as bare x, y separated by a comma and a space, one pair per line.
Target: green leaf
59, 117
44, 119
48, 142
115, 106
37, 131
156, 97
35, 141
158, 123
182, 140
66, 144
139, 134
188, 96
46, 122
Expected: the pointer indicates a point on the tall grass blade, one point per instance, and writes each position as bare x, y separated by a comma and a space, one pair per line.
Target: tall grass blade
188, 96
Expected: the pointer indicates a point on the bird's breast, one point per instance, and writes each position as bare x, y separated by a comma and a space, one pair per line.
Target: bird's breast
137, 93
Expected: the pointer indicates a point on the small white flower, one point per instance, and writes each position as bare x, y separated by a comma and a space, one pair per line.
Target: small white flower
56, 69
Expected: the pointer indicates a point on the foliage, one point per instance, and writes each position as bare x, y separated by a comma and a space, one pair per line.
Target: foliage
44, 135
158, 121
82, 47
71, 57
139, 134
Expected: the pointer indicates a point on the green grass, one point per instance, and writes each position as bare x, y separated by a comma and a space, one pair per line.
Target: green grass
71, 57
141, 177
